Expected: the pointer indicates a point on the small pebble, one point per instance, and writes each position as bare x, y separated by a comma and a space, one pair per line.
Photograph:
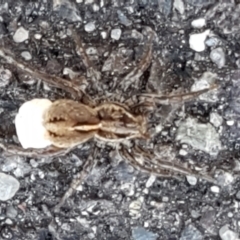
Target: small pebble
217, 56
238, 63
104, 35
198, 23
20, 35
230, 122
165, 199
134, 208
95, 7
195, 214
116, 34
26, 55
190, 232
197, 41
183, 152
215, 189
37, 36
216, 119
179, 6
212, 42
150, 181
192, 180
140, 233
123, 19
5, 77
238, 195
41, 174
89, 1
8, 221
226, 234
8, 186
11, 212
90, 27
128, 189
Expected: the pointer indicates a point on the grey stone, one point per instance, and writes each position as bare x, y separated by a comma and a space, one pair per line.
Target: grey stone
67, 10
217, 56
8, 186
123, 19
140, 233
26, 55
5, 77
212, 42
116, 33
90, 27
200, 136
11, 212
190, 232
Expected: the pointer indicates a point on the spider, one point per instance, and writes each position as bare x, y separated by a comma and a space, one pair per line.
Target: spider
120, 123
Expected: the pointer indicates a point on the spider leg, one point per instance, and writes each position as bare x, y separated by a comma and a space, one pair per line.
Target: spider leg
88, 165
92, 72
155, 166
131, 79
171, 166
71, 87
174, 99
147, 167
11, 149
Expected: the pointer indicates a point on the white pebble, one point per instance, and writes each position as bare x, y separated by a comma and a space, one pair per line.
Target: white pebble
150, 181
104, 35
8, 186
29, 124
37, 36
227, 234
192, 180
215, 189
230, 122
116, 34
216, 119
134, 208
198, 23
89, 1
95, 7
20, 35
8, 221
197, 41
90, 27
128, 189
179, 5
183, 152
26, 55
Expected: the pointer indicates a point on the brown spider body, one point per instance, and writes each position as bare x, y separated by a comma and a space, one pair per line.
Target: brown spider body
70, 123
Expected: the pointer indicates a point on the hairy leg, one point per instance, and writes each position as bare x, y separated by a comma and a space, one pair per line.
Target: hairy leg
60, 83
87, 167
158, 167
132, 78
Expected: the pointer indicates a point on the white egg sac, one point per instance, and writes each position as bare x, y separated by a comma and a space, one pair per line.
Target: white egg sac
29, 124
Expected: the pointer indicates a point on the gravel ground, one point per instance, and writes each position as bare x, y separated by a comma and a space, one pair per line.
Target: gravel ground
197, 43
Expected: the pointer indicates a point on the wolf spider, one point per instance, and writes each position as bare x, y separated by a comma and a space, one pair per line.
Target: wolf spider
74, 122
